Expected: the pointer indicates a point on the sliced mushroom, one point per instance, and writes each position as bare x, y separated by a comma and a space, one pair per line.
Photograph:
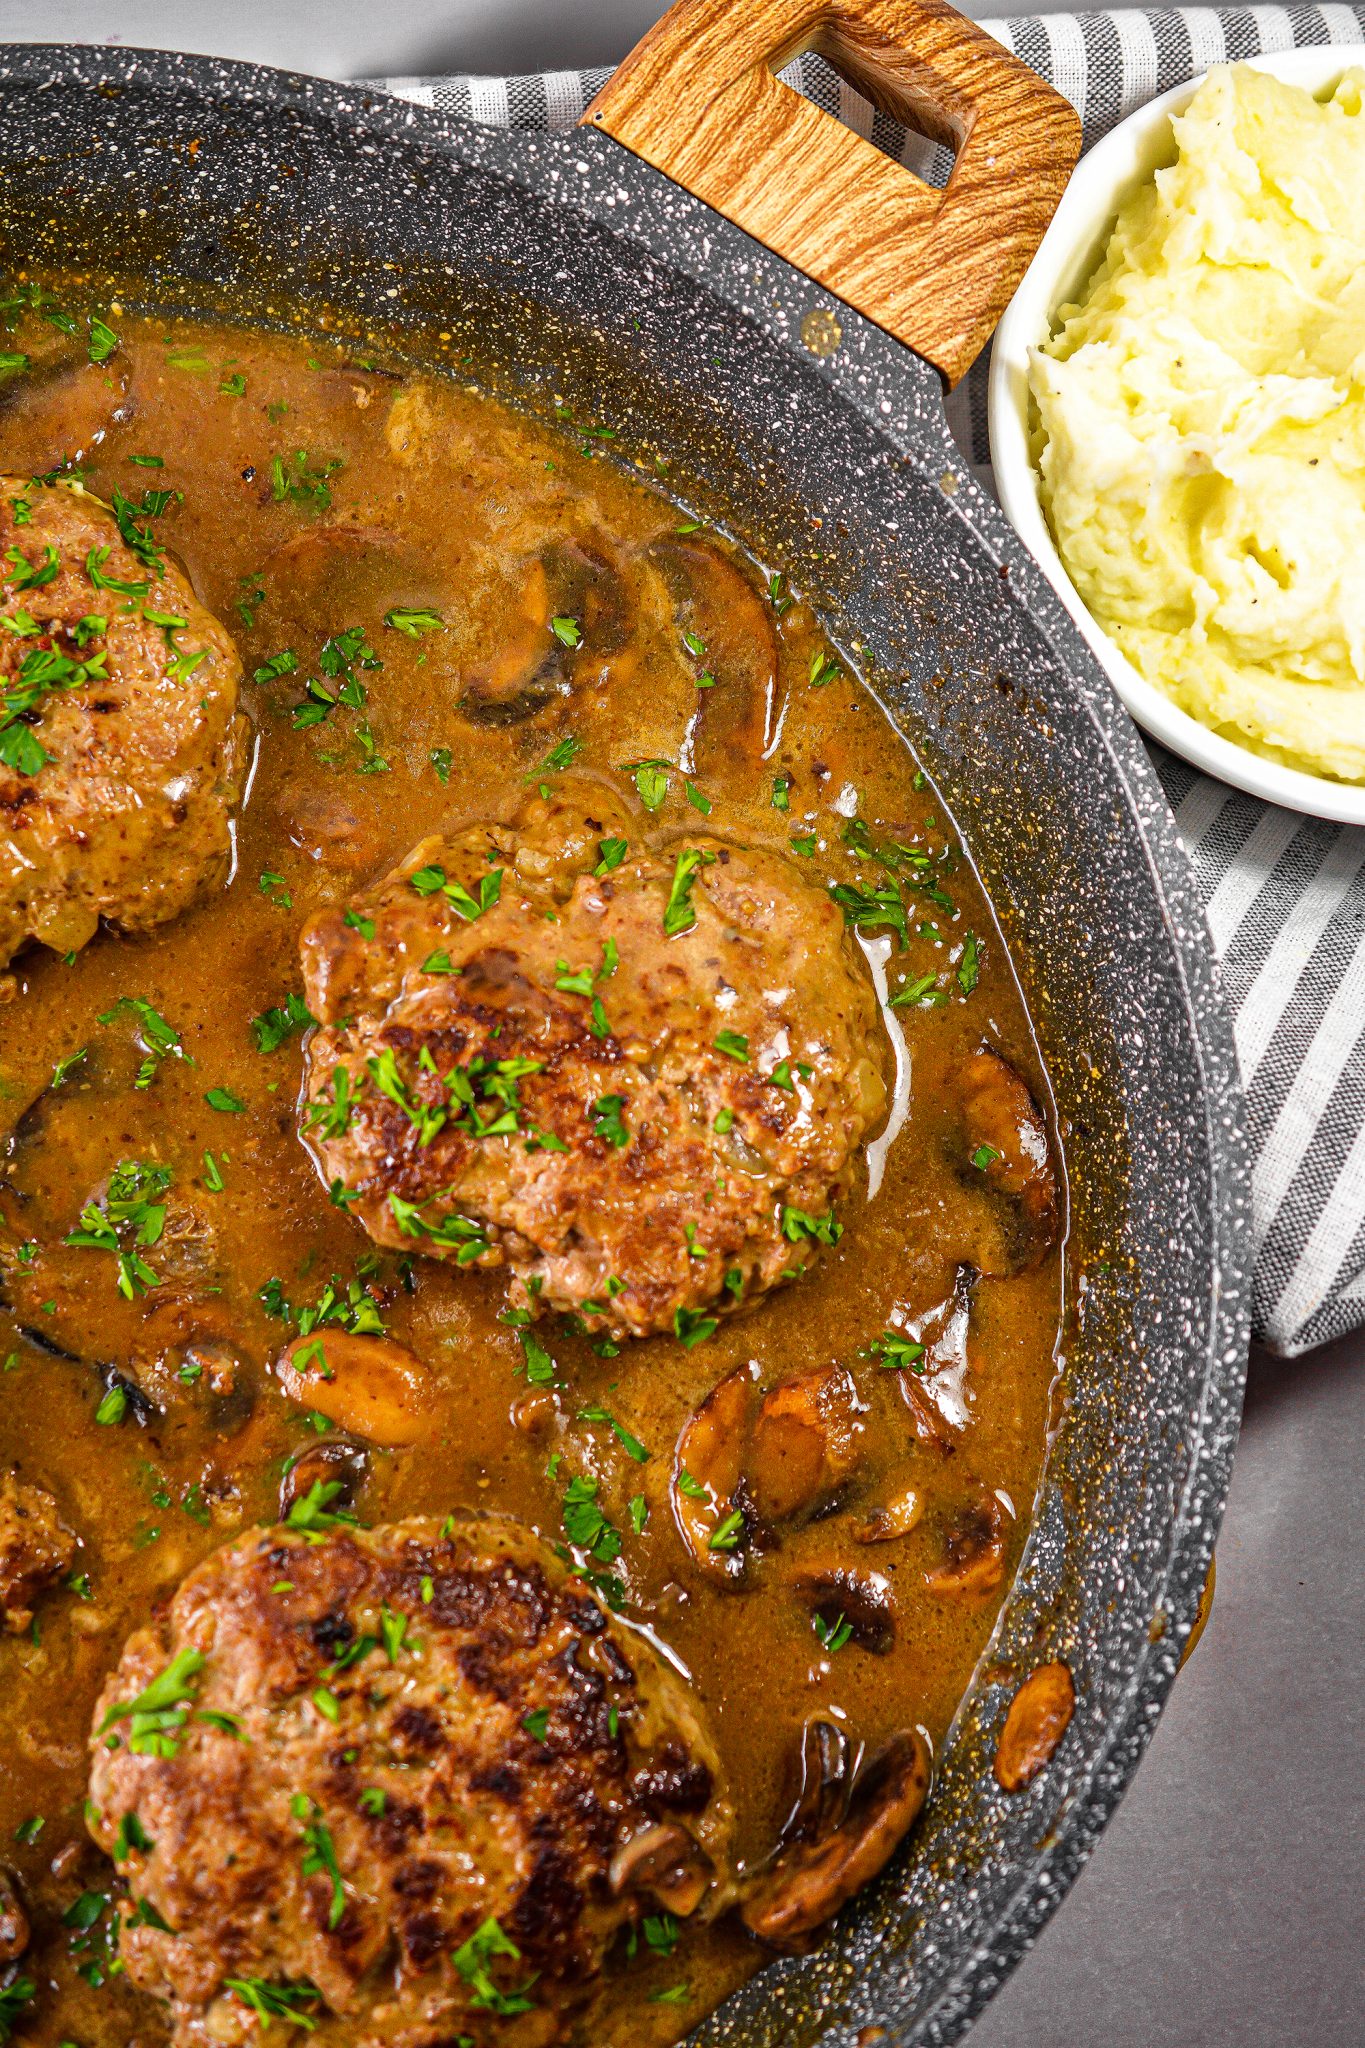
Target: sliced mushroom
804, 1444
369, 1386
1202, 1613
570, 580
1038, 1718
815, 1873
860, 1601
666, 1863
191, 1350
891, 1519
61, 409
718, 608
825, 1773
332, 1461
330, 826
330, 575
1008, 1152
706, 1475
974, 1549
14, 1928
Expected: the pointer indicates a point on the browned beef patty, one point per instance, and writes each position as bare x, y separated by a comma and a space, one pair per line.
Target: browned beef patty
636, 1072
418, 1770
121, 752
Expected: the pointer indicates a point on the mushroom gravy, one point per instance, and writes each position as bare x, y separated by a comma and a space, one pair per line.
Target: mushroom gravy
445, 609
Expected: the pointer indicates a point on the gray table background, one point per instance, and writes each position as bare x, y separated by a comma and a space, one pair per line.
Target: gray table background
1223, 1907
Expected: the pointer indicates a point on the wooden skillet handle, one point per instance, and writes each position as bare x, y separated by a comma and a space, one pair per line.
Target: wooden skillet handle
697, 98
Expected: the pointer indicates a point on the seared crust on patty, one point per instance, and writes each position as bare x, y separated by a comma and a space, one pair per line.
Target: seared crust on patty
641, 1085
35, 1549
121, 752
385, 1741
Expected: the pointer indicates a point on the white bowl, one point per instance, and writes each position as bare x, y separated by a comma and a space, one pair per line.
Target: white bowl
1104, 180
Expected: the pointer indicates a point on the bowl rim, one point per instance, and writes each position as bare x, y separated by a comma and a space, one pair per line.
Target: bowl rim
1102, 181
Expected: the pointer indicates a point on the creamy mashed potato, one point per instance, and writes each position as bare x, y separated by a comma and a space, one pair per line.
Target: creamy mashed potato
1201, 422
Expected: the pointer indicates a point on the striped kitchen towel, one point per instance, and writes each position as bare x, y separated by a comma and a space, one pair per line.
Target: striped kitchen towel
1285, 895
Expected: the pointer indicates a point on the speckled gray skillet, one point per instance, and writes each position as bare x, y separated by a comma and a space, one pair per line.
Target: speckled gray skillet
565, 267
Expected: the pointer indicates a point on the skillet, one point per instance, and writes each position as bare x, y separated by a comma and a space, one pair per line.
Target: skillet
574, 271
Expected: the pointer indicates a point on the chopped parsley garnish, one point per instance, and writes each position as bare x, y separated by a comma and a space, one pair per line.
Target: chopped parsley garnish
629, 1442
781, 1077
438, 963
66, 1067
223, 1099
130, 1220
459, 1234
567, 631
920, 990
969, 966
342, 654
282, 664
213, 1175
295, 479
782, 792
158, 1038
797, 1225
159, 1713
896, 1351
281, 1021
984, 1156
413, 622
319, 1852
441, 758
274, 886
726, 1534
312, 1515
291, 2002
823, 669
610, 854
41, 671
867, 910
833, 1634
692, 1327
114, 1405
332, 1116
608, 1122
537, 1723
138, 539
25, 575
428, 880
15, 1998
472, 1960
103, 340
651, 781
585, 1525
679, 915
734, 1044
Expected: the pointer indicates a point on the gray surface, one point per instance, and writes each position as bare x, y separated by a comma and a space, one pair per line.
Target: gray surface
374, 38
1223, 1906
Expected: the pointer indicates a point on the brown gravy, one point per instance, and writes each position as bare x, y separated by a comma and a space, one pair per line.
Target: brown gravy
274, 442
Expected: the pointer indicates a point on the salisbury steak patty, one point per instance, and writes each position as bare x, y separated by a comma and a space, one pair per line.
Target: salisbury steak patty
35, 1549
413, 1776
638, 1073
119, 742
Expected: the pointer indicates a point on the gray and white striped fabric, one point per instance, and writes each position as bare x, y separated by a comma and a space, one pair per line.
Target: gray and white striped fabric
1285, 895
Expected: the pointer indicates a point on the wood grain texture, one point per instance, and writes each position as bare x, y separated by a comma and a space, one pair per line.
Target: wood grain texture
697, 98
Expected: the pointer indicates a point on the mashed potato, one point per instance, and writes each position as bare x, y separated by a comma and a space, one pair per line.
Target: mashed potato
1201, 422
